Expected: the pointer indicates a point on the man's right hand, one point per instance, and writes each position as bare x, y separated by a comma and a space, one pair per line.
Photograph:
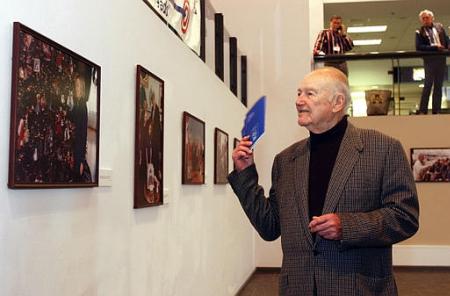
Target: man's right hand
243, 154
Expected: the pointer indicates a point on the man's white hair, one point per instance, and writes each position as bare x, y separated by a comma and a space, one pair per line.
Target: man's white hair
427, 12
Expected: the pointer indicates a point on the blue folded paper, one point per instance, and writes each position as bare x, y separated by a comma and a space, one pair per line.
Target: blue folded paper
255, 121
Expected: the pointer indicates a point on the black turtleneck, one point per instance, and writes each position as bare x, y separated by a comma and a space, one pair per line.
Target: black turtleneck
324, 150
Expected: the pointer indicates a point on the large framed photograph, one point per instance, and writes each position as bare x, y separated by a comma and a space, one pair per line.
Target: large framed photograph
220, 156
193, 150
55, 115
149, 139
431, 164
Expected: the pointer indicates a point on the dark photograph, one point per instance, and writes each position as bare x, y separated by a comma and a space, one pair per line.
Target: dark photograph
55, 103
220, 156
193, 149
148, 164
431, 164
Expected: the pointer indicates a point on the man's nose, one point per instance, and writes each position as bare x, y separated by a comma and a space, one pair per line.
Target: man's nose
300, 100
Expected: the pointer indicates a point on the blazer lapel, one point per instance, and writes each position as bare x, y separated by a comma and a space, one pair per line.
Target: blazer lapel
301, 164
347, 156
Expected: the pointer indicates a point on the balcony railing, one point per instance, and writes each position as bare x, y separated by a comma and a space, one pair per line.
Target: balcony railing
397, 77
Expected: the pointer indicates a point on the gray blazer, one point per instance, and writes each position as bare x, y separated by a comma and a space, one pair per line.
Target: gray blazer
373, 192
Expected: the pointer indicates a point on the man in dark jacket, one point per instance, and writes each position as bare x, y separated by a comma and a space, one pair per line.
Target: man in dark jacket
339, 199
432, 37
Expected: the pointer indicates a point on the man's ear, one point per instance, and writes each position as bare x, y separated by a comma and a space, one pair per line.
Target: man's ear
339, 103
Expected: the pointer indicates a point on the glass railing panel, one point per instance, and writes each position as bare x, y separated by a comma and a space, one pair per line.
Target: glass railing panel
370, 80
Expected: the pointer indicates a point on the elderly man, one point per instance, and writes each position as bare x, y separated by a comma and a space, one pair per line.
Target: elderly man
432, 37
339, 199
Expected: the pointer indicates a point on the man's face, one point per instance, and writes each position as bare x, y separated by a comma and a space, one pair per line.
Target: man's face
314, 104
426, 20
335, 24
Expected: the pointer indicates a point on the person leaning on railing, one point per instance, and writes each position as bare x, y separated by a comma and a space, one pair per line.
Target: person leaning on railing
431, 36
334, 40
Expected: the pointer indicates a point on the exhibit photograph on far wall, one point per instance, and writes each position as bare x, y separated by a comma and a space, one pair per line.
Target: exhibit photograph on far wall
184, 17
193, 150
431, 164
220, 156
149, 140
55, 115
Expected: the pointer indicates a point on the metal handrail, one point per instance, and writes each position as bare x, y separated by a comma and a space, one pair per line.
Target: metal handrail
379, 55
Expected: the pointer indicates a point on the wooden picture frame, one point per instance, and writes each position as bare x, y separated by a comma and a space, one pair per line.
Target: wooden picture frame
235, 144
430, 164
193, 150
220, 156
55, 115
149, 140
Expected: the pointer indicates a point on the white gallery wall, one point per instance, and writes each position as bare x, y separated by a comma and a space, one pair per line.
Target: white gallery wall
91, 241
275, 36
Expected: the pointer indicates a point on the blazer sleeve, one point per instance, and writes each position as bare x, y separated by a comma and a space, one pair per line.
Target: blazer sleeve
318, 45
398, 217
262, 212
348, 43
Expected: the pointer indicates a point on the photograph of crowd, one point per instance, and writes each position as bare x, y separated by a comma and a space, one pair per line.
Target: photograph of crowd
193, 149
431, 164
148, 165
54, 115
220, 156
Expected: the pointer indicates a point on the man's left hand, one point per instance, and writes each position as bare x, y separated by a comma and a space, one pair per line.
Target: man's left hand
327, 226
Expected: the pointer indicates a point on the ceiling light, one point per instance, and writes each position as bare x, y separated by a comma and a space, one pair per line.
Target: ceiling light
367, 42
367, 29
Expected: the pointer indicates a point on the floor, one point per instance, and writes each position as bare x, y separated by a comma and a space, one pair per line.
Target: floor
411, 281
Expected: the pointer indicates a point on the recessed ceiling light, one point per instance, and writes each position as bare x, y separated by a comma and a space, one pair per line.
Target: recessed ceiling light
367, 29
367, 42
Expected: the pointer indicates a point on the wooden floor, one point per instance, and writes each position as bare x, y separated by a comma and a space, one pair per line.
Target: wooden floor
411, 281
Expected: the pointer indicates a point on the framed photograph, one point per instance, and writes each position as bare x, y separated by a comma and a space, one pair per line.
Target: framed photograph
193, 149
235, 144
55, 115
220, 156
431, 164
186, 18
149, 139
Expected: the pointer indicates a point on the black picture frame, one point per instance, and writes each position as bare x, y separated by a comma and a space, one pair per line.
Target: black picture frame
149, 140
55, 115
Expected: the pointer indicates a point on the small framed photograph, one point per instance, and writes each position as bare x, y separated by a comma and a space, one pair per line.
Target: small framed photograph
55, 115
193, 150
220, 156
235, 144
149, 140
431, 164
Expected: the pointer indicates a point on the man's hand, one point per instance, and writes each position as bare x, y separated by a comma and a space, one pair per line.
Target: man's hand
327, 226
343, 30
441, 47
243, 155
